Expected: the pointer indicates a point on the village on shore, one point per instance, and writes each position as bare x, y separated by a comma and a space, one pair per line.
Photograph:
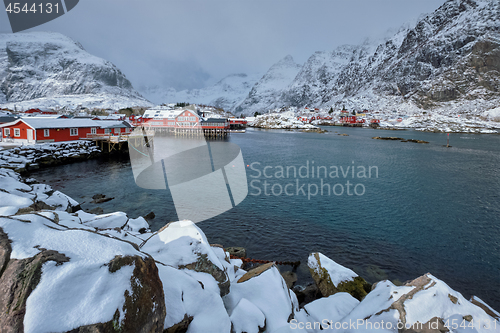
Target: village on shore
35, 126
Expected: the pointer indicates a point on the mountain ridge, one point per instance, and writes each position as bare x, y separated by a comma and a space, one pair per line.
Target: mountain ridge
36, 66
449, 61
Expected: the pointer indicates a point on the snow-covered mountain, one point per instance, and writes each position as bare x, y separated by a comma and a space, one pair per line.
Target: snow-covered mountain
42, 69
226, 93
449, 62
264, 93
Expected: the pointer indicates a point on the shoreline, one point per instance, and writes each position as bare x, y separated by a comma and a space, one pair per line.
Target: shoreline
437, 124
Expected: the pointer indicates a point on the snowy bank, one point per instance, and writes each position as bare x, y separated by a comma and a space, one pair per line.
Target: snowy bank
287, 120
35, 156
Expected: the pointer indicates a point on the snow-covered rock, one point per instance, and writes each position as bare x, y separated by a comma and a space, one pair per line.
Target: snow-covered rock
183, 245
56, 279
425, 303
265, 288
286, 120
47, 154
332, 278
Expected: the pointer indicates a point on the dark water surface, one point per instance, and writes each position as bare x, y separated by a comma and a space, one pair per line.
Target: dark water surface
431, 209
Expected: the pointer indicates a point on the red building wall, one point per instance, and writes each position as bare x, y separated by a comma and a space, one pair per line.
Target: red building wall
64, 134
23, 128
61, 134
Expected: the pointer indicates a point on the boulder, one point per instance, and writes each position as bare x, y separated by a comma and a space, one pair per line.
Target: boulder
327, 311
246, 317
103, 200
144, 305
183, 245
19, 278
60, 279
307, 294
191, 305
265, 288
237, 251
98, 196
332, 278
425, 304
290, 278
150, 216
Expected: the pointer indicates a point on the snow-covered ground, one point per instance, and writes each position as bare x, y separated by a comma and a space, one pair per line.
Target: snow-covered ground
72, 102
445, 123
487, 123
287, 120
64, 269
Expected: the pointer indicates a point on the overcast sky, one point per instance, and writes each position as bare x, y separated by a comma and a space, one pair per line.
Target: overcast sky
191, 43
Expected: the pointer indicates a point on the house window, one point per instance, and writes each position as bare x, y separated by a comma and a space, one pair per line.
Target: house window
46, 132
117, 130
73, 131
93, 130
17, 132
107, 131
7, 132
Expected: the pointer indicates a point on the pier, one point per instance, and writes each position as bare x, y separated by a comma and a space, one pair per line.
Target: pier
109, 143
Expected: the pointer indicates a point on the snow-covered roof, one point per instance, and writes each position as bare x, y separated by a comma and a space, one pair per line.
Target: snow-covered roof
113, 116
112, 124
159, 113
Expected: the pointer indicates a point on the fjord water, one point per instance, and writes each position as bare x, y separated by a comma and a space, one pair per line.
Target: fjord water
431, 209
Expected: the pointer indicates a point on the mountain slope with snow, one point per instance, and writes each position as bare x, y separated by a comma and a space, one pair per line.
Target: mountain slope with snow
50, 68
226, 93
448, 62
264, 93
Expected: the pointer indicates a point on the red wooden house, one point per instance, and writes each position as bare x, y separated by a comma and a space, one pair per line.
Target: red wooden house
37, 130
38, 111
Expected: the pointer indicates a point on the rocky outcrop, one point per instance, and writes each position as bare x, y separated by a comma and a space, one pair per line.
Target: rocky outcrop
332, 278
237, 251
18, 279
37, 156
393, 138
144, 305
286, 120
199, 257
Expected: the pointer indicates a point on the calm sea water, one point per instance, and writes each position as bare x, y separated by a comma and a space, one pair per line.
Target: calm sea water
431, 209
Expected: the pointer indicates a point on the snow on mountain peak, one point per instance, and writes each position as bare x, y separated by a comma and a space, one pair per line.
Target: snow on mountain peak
447, 61
48, 67
226, 93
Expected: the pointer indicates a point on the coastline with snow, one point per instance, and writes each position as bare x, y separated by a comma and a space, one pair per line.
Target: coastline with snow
488, 123
65, 269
